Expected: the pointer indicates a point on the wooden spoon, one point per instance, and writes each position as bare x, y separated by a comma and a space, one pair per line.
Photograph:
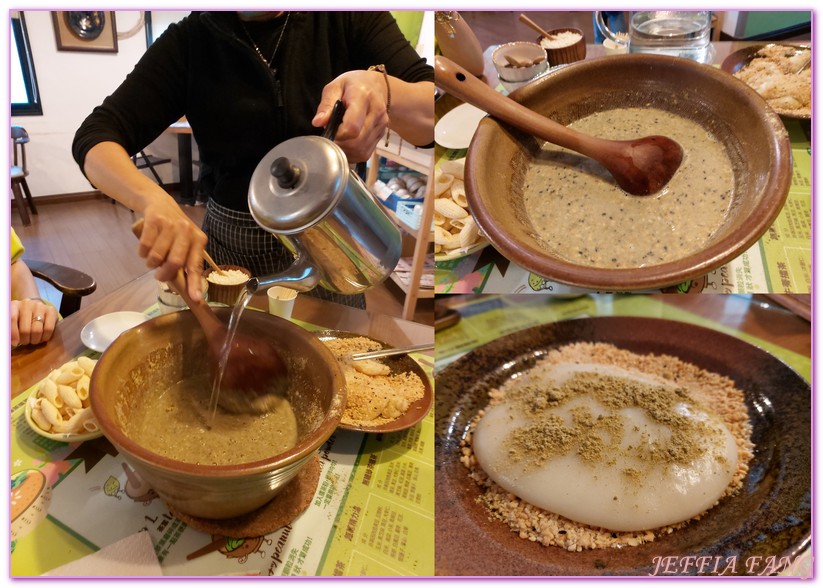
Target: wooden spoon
254, 369
536, 27
640, 166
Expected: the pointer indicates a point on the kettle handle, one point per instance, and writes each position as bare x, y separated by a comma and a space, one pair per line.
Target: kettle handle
331, 130
334, 120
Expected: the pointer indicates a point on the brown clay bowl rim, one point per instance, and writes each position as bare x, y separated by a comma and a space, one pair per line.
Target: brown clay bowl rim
753, 521
305, 447
537, 261
417, 410
735, 61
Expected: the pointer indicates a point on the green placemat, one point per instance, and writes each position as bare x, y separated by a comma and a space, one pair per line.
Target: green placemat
491, 317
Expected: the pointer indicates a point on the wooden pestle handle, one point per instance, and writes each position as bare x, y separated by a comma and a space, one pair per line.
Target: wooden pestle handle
210, 322
534, 26
458, 82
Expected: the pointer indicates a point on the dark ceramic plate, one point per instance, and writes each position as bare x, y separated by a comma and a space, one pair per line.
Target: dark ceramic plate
771, 516
736, 61
416, 412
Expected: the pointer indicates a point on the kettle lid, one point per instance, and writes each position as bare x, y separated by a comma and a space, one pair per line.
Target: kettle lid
297, 184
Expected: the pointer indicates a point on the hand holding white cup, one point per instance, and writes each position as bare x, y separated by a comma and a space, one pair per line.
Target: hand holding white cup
281, 301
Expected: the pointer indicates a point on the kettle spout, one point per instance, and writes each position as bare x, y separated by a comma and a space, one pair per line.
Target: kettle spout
300, 276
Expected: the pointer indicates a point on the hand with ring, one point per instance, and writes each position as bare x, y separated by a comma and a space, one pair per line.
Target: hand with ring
32, 322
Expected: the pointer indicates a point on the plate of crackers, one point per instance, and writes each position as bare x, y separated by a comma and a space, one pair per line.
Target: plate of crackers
382, 395
456, 233
780, 73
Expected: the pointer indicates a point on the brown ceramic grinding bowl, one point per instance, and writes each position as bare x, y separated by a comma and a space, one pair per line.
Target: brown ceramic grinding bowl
172, 347
225, 293
752, 133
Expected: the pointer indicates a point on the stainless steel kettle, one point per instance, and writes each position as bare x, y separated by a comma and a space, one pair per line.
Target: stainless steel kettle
304, 192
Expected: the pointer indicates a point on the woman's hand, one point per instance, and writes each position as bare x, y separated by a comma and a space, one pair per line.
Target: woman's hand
365, 96
32, 322
170, 241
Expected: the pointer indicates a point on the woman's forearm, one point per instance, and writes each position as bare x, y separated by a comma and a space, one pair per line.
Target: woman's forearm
412, 110
170, 240
110, 169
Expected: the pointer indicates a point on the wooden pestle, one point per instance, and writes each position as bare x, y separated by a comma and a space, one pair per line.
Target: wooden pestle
640, 166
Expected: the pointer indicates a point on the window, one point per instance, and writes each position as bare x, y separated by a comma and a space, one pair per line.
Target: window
25, 97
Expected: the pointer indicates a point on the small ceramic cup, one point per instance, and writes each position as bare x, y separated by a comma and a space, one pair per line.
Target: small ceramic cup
614, 48
223, 292
281, 301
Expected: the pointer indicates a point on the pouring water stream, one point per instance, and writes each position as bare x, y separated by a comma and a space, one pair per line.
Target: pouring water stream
234, 320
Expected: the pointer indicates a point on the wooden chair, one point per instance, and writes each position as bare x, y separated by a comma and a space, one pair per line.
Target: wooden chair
19, 172
71, 283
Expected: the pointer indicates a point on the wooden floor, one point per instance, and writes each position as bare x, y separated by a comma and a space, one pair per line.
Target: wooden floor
94, 236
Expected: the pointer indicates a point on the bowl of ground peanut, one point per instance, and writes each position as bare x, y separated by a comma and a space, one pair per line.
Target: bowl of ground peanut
382, 395
542, 469
226, 285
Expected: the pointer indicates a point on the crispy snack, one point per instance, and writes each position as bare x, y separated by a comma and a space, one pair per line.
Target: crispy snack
772, 73
374, 395
454, 227
61, 404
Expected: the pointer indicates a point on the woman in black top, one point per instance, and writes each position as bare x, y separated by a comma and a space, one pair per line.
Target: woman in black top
246, 82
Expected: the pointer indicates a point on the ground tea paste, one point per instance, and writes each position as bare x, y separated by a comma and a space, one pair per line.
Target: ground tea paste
578, 212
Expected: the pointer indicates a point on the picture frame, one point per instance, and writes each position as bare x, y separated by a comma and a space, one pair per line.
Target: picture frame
94, 31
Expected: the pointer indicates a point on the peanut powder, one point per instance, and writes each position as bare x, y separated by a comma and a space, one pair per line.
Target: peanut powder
600, 438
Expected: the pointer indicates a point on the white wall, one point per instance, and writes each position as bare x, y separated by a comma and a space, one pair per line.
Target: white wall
71, 84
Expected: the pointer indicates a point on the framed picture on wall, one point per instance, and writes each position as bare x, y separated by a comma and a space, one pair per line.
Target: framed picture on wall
85, 31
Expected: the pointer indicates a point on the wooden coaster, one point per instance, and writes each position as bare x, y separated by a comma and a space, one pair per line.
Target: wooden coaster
283, 509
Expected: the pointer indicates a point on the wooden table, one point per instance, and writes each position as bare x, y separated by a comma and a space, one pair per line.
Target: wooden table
29, 365
182, 129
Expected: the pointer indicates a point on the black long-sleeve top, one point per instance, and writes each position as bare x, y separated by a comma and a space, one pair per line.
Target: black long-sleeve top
206, 68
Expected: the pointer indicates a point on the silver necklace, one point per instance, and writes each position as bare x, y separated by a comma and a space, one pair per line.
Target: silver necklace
276, 46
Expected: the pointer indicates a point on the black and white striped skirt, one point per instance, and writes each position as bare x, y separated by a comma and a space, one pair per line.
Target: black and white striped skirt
235, 238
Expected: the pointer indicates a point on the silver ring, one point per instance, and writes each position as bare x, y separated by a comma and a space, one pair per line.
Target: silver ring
37, 319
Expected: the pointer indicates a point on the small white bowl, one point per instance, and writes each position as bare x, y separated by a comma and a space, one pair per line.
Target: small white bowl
519, 50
